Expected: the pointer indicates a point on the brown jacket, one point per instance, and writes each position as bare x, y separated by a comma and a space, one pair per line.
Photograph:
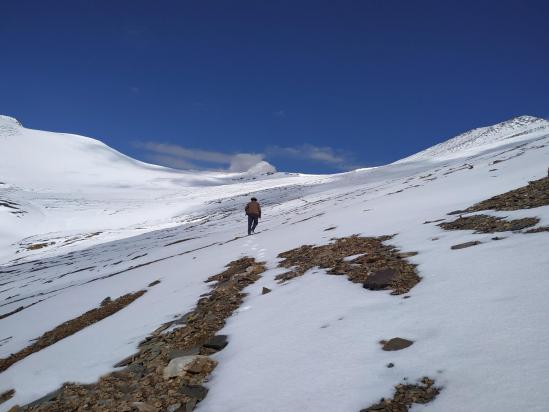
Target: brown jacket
253, 209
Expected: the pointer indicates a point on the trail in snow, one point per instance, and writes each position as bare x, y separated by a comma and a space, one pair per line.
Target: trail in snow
280, 356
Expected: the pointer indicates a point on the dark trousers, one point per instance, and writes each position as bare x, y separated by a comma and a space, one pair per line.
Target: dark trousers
253, 220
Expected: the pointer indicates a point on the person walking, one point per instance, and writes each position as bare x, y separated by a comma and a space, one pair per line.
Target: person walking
253, 211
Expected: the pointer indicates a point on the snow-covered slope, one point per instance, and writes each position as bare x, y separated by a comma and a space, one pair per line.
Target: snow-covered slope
483, 137
38, 160
63, 184
477, 318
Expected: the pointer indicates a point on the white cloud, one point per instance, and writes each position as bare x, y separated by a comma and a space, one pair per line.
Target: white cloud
243, 161
186, 153
186, 158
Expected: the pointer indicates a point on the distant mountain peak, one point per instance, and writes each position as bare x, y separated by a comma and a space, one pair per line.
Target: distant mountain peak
9, 121
481, 136
9, 126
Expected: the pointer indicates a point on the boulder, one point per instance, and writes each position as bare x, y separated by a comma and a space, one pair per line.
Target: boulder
380, 279
198, 392
396, 344
265, 290
466, 244
201, 364
106, 301
217, 342
177, 366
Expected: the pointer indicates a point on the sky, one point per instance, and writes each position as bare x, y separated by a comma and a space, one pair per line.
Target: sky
309, 86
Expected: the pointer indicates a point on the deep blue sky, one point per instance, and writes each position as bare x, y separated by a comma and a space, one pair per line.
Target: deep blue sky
317, 86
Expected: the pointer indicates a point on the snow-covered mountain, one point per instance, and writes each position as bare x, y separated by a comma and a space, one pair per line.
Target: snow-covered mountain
46, 161
59, 183
80, 222
483, 137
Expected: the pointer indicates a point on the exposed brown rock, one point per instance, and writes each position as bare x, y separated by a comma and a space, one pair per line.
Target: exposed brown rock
142, 380
488, 224
36, 246
375, 258
432, 221
396, 344
216, 342
380, 279
71, 327
535, 194
405, 396
6, 396
465, 245
538, 229
106, 301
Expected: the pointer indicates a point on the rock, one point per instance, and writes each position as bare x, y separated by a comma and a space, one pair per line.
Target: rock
466, 244
217, 342
7, 395
144, 407
432, 221
162, 328
407, 254
201, 364
137, 369
538, 229
198, 392
380, 279
396, 344
265, 290
179, 353
405, 395
176, 367
106, 301
498, 238
189, 407
390, 365
184, 318
174, 408
188, 364
156, 282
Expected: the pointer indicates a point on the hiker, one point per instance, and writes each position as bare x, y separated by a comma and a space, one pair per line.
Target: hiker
253, 210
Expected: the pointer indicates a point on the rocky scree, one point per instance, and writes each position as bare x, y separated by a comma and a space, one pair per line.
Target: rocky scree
406, 395
488, 224
72, 326
535, 194
141, 385
378, 266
